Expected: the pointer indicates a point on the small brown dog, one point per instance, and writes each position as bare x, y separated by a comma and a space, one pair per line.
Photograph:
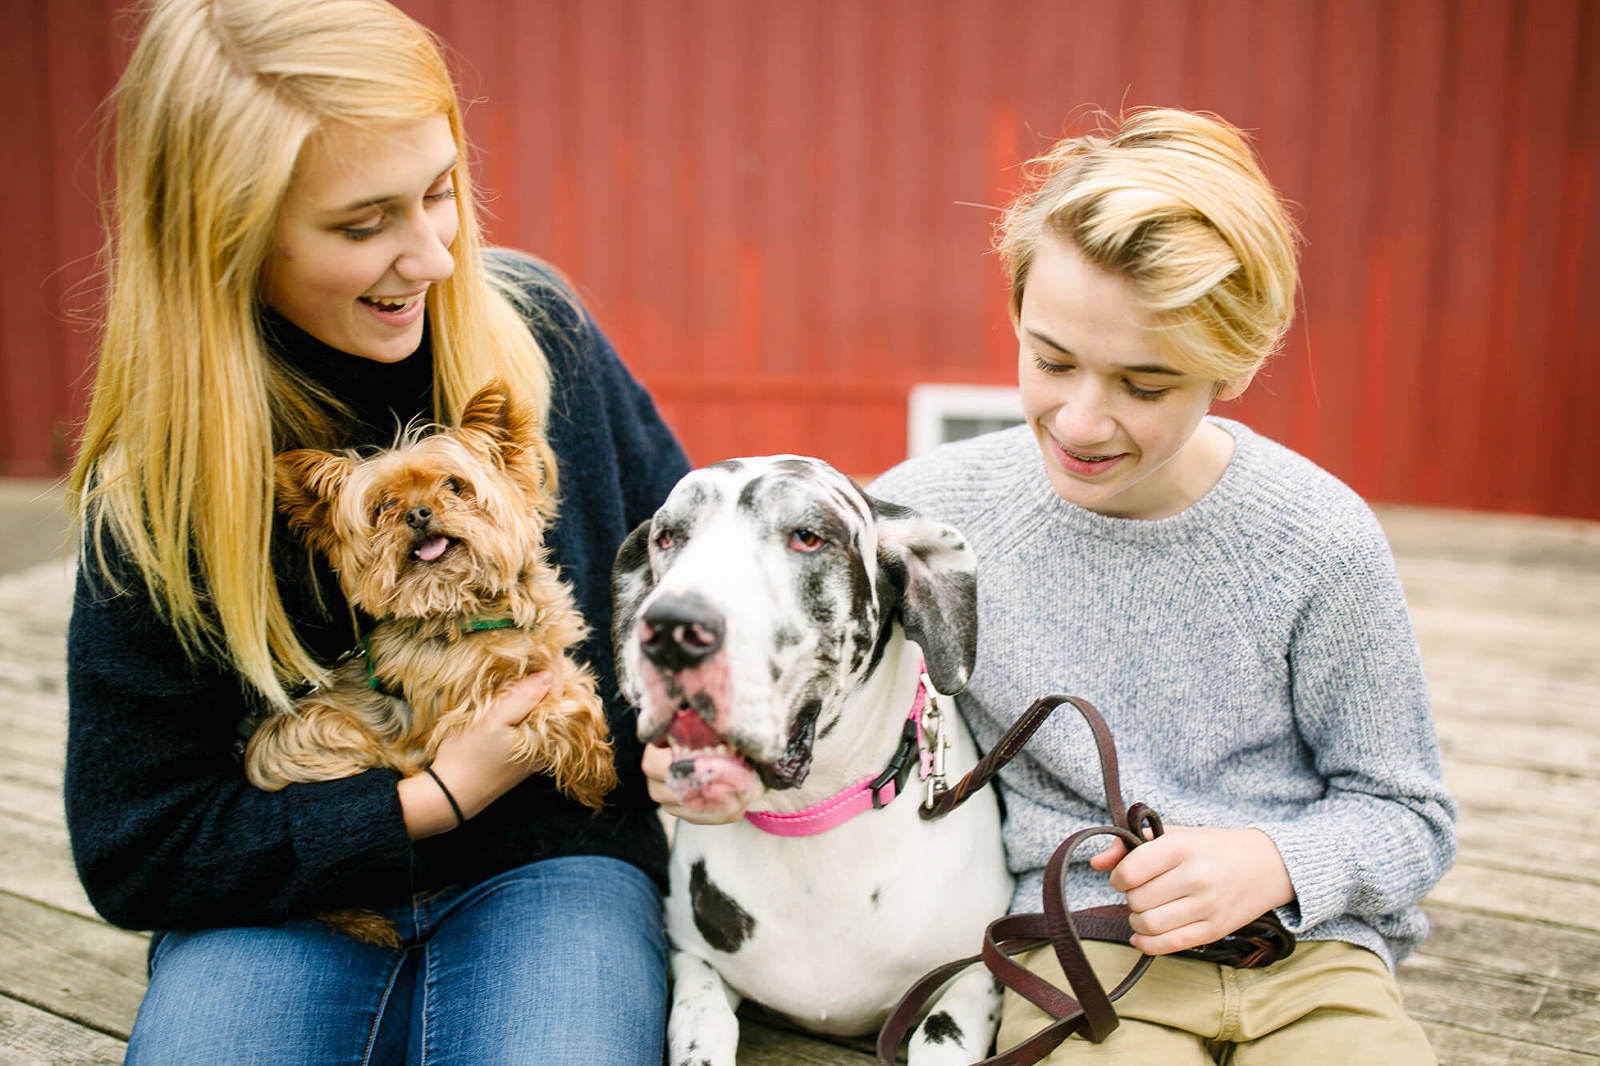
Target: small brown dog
441, 541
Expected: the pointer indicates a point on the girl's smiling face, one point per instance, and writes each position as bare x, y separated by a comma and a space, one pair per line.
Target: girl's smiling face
1118, 425
364, 229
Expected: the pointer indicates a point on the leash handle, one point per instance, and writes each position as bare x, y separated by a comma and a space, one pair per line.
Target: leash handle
1088, 1010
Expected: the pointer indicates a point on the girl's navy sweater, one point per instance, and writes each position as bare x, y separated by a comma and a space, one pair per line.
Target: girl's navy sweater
166, 831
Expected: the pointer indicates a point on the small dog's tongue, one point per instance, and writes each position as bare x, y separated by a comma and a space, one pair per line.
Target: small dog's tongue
692, 731
429, 550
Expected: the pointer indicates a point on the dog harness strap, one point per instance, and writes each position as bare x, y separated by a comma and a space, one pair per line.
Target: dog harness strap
870, 793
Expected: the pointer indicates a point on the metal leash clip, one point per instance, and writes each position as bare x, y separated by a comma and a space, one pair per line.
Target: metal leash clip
933, 726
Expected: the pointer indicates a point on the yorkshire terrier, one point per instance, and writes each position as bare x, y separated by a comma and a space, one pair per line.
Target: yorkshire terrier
440, 540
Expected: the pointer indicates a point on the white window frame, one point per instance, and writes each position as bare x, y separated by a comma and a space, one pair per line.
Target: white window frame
933, 406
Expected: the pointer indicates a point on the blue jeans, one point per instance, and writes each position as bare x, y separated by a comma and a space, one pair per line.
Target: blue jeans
560, 961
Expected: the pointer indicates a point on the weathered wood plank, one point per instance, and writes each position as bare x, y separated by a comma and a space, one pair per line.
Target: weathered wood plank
37, 767
1532, 842
1533, 744
31, 802
1521, 1007
36, 863
1512, 946
765, 1045
1478, 690
32, 1037
1456, 1046
1543, 898
78, 968
1545, 793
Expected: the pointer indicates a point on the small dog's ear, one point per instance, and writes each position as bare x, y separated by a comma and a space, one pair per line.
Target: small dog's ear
499, 423
307, 482
630, 584
501, 427
926, 569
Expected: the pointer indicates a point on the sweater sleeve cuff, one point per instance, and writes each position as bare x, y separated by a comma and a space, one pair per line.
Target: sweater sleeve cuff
1318, 869
350, 836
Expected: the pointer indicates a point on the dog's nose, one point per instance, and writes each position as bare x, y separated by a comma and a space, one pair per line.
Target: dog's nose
679, 632
417, 517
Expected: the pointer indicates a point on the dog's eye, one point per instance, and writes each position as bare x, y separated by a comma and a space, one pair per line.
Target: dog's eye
453, 484
803, 540
384, 507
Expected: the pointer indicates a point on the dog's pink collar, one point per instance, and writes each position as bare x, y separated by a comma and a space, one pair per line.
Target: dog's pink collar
870, 793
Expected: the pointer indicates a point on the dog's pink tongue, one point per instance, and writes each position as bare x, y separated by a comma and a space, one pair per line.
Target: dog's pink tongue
430, 550
692, 731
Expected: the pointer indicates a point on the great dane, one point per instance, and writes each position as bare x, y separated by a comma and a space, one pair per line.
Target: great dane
789, 637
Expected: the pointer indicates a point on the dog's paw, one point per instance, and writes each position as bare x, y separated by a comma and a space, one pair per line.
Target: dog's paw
567, 738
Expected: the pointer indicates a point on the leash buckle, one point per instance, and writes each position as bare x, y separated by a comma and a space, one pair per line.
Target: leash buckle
899, 767
933, 725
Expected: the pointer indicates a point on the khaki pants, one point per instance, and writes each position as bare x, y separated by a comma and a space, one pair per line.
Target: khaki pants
1328, 1004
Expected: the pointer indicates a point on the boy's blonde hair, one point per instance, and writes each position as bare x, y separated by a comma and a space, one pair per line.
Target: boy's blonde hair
188, 407
1176, 203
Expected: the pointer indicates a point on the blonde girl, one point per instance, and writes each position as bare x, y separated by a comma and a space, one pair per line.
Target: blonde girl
294, 259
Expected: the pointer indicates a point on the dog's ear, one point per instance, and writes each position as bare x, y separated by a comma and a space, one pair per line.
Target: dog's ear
630, 584
306, 482
499, 425
927, 572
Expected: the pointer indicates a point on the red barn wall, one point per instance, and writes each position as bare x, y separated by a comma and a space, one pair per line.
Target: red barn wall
780, 211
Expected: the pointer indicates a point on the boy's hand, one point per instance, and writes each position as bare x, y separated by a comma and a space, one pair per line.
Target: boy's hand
1191, 886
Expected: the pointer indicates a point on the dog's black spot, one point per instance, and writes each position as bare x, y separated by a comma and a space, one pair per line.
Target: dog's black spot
861, 646
724, 924
816, 596
785, 637
704, 705
792, 767
828, 727
874, 897
940, 1028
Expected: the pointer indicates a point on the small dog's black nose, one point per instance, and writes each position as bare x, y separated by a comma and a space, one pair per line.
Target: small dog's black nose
679, 632
417, 517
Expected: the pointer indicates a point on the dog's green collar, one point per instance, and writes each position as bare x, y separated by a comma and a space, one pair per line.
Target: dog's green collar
479, 624
475, 625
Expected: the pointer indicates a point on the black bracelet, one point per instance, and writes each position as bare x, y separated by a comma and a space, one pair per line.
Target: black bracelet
454, 806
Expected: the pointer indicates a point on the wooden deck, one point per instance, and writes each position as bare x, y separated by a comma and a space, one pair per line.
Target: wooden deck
1508, 613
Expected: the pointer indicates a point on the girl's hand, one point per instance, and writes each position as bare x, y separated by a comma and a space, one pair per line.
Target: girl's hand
1191, 886
655, 763
475, 764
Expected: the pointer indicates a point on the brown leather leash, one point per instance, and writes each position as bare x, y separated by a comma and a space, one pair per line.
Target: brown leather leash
1088, 1010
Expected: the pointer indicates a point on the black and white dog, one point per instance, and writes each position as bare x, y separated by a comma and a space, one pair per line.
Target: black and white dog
761, 624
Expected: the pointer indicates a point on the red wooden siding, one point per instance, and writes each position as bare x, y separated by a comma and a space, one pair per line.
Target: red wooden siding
780, 211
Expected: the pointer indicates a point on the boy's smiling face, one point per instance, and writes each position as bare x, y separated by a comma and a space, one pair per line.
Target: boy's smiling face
1119, 426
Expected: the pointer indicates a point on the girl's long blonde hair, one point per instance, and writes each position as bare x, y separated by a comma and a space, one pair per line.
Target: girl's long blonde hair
175, 467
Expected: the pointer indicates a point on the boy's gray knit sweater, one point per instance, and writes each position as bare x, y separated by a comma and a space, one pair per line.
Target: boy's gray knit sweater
1252, 655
